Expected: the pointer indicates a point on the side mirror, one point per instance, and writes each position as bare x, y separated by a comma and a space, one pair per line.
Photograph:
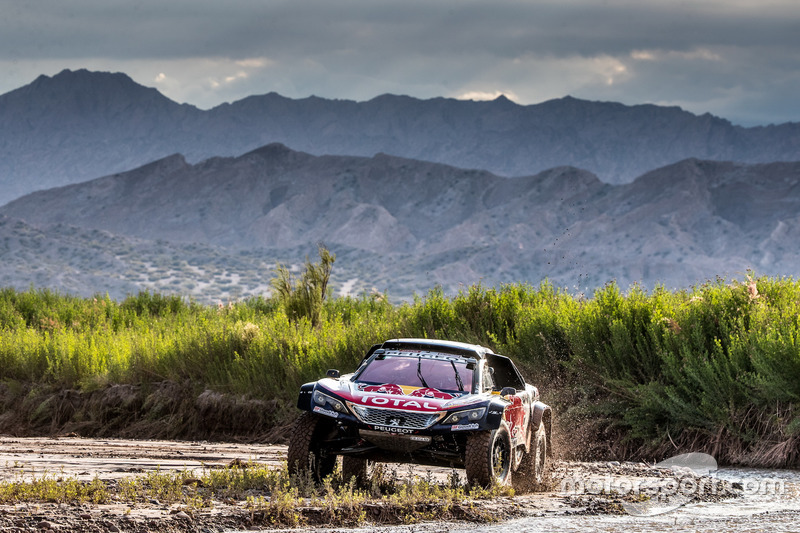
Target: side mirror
507, 391
333, 373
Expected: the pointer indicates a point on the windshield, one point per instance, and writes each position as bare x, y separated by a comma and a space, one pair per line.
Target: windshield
419, 372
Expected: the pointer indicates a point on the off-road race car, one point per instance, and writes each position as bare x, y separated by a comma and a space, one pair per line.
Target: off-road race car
428, 402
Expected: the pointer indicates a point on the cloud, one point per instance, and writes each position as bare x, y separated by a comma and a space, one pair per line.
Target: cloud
736, 57
254, 62
703, 54
643, 55
487, 95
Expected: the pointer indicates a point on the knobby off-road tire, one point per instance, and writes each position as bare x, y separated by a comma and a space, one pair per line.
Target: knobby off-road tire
530, 475
355, 467
488, 458
305, 453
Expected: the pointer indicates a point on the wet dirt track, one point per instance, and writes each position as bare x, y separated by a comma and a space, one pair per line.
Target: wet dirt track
108, 459
115, 458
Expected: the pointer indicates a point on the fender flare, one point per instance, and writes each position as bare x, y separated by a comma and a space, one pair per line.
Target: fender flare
494, 413
541, 412
304, 398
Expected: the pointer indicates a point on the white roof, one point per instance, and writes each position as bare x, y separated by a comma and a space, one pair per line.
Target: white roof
443, 343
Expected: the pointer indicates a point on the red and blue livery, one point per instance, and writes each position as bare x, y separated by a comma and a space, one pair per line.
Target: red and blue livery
429, 402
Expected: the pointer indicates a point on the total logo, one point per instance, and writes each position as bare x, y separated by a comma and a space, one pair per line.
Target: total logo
397, 402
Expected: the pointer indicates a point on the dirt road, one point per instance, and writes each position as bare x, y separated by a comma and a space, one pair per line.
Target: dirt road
113, 459
23, 459
116, 458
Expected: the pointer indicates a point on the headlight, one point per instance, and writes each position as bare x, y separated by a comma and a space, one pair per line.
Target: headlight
322, 399
471, 415
359, 411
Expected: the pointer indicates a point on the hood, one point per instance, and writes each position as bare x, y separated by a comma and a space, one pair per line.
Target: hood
400, 397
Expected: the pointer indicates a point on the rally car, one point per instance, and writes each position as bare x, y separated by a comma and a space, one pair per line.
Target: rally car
428, 402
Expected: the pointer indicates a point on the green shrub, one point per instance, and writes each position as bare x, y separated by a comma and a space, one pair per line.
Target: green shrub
304, 297
719, 359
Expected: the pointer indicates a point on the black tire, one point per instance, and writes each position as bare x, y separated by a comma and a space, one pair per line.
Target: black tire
488, 458
355, 467
305, 453
530, 476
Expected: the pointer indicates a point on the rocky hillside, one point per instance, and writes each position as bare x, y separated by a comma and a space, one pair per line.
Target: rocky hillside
87, 262
401, 225
80, 125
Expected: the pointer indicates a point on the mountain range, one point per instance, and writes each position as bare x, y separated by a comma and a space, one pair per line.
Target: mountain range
215, 228
79, 125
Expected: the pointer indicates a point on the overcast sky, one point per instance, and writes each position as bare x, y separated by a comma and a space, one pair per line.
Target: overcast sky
738, 59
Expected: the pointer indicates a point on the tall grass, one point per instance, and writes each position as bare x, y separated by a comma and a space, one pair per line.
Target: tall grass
716, 366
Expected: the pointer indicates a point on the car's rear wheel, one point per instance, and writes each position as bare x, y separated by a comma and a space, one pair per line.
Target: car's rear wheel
306, 448
488, 458
540, 455
531, 472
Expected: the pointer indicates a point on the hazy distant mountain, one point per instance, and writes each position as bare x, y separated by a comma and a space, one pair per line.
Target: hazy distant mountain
87, 262
404, 225
80, 125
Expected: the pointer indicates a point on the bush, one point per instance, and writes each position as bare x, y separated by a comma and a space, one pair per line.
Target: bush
715, 365
304, 297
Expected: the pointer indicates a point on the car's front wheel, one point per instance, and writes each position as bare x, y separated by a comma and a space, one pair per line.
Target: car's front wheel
306, 450
356, 467
488, 458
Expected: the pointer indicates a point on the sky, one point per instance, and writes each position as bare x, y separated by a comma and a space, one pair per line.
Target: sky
736, 59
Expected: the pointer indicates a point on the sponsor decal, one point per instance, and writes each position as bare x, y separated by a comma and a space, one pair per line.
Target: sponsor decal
387, 388
408, 390
397, 402
326, 412
493, 412
391, 429
431, 393
462, 427
419, 439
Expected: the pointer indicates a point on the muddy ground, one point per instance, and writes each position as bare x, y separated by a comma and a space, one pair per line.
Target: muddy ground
112, 459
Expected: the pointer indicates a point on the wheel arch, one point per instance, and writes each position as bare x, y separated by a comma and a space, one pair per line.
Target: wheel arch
494, 413
542, 413
304, 398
